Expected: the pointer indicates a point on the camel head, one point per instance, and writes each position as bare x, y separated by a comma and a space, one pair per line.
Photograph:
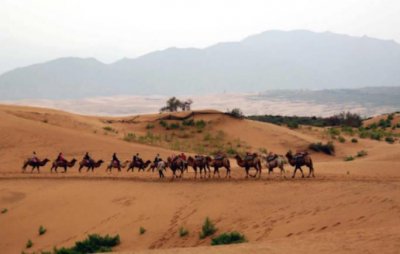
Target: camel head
100, 161
289, 155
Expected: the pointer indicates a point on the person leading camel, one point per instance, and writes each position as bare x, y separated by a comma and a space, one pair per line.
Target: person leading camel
161, 166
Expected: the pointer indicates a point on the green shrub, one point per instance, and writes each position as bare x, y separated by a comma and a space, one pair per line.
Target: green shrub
164, 124
333, 132
231, 151
174, 126
327, 148
188, 122
376, 135
342, 139
130, 137
389, 139
207, 229
4, 210
228, 238
92, 244
293, 125
236, 113
149, 126
42, 230
29, 244
183, 232
354, 140
109, 128
362, 153
363, 134
142, 230
200, 124
349, 158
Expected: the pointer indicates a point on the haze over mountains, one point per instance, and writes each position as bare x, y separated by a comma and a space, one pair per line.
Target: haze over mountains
270, 60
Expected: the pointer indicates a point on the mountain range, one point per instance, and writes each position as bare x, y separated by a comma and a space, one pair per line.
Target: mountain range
271, 60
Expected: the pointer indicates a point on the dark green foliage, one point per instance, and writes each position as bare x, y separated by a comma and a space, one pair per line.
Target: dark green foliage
362, 153
29, 244
188, 122
4, 210
174, 126
42, 230
109, 128
354, 140
142, 230
349, 158
327, 148
92, 244
342, 119
236, 113
342, 139
390, 140
207, 229
200, 124
149, 126
130, 137
228, 238
164, 124
183, 232
293, 125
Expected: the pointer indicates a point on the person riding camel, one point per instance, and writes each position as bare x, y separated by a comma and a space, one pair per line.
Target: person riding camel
271, 156
157, 159
249, 156
87, 158
136, 158
219, 155
183, 156
60, 158
34, 158
115, 159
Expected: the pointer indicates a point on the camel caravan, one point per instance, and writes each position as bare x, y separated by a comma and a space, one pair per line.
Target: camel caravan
178, 164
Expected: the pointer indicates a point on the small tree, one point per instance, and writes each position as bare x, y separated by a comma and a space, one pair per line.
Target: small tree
172, 105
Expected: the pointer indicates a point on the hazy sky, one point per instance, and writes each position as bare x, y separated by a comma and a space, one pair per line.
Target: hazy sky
34, 31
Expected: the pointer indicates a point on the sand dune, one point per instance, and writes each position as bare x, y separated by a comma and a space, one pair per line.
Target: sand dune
350, 207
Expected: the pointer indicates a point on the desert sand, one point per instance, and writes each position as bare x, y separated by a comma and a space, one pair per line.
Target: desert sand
350, 207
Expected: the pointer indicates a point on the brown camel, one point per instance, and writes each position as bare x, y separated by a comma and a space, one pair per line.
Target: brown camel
175, 165
275, 161
34, 164
63, 164
220, 163
114, 164
253, 162
90, 165
298, 160
140, 164
200, 162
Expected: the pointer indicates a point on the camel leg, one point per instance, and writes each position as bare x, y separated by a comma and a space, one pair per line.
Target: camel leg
302, 174
294, 173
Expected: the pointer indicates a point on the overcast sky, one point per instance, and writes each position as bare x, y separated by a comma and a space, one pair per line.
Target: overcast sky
33, 31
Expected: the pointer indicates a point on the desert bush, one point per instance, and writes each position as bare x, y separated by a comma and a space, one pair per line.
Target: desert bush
389, 140
188, 122
130, 137
349, 158
354, 140
228, 238
29, 244
183, 232
200, 124
109, 129
327, 148
293, 125
142, 230
236, 113
333, 132
342, 139
163, 124
42, 230
149, 126
92, 244
207, 229
231, 151
376, 135
362, 153
174, 126
4, 210
207, 137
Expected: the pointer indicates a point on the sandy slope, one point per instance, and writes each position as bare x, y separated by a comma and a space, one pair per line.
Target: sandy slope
350, 207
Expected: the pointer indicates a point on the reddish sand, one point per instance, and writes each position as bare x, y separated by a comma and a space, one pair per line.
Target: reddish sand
350, 207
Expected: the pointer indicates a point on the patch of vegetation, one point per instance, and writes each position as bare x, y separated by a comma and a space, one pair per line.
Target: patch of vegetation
207, 229
389, 140
92, 244
354, 140
333, 132
42, 230
228, 238
4, 210
188, 122
149, 126
142, 230
163, 124
327, 148
293, 125
342, 139
183, 232
342, 119
349, 158
109, 129
362, 153
130, 137
200, 125
174, 126
236, 113
29, 244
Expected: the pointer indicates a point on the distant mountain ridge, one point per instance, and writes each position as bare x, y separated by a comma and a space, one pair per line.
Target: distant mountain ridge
270, 60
